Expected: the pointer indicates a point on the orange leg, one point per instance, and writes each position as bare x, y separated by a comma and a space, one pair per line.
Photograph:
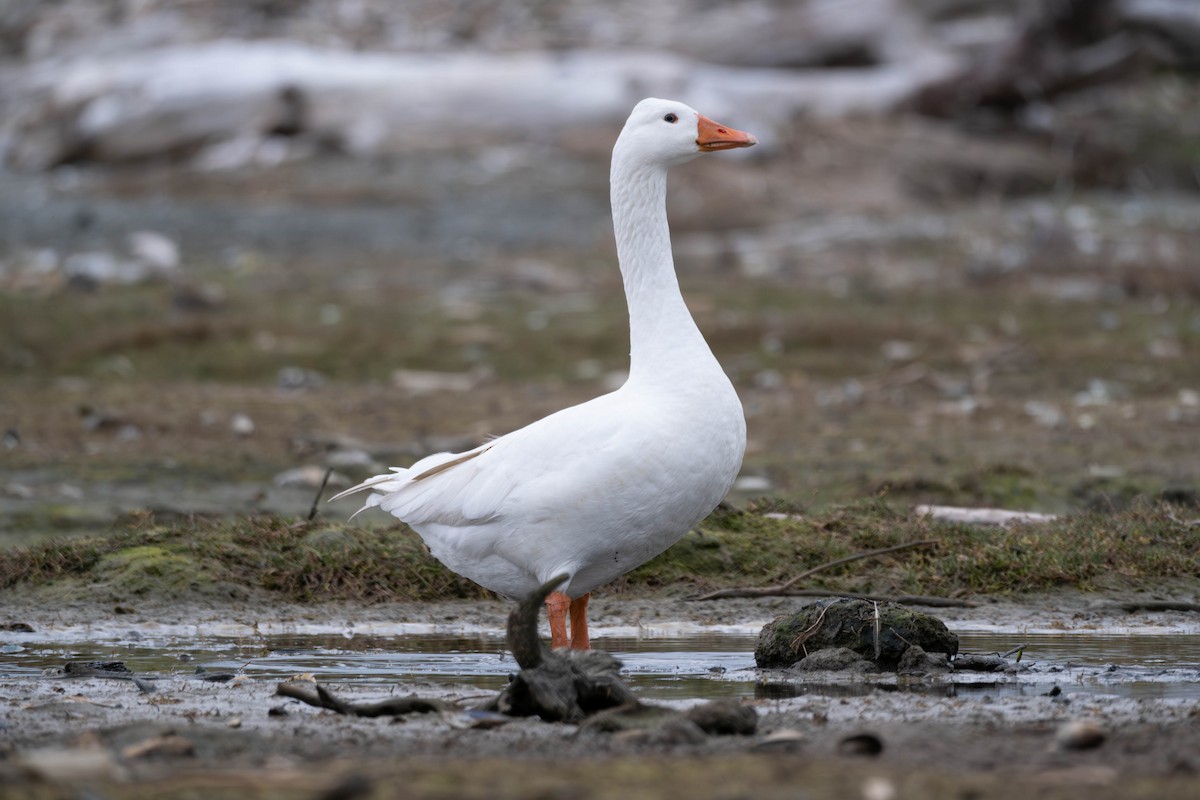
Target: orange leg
579, 629
557, 604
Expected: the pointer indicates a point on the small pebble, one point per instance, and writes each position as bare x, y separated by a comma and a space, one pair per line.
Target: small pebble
1079, 735
787, 740
861, 744
236, 722
241, 425
877, 788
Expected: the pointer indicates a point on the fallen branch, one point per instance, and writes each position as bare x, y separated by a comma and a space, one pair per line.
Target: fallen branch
901, 599
976, 662
392, 707
784, 589
1157, 605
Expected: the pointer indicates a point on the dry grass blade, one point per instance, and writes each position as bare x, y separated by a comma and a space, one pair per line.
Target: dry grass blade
806, 634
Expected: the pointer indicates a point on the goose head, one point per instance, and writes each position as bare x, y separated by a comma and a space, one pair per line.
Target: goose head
668, 132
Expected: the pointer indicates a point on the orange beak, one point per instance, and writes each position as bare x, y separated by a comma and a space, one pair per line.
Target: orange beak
710, 136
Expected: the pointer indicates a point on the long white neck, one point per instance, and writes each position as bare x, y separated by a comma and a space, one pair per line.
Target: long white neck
665, 344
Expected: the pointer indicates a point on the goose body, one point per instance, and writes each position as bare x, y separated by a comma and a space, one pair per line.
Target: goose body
597, 489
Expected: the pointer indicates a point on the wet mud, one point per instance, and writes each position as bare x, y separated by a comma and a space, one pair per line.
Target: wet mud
1065, 724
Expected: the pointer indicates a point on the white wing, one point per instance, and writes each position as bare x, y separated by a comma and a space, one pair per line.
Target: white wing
463, 489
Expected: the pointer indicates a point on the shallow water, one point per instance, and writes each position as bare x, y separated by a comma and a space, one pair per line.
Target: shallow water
703, 665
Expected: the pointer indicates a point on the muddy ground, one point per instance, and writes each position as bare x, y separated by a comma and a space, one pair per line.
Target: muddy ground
186, 737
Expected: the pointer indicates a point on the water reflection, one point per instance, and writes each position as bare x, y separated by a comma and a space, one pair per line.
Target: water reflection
708, 665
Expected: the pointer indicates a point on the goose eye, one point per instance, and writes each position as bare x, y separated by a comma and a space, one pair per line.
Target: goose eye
671, 118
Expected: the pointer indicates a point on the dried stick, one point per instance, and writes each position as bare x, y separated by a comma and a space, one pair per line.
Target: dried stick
312, 512
782, 590
903, 599
392, 707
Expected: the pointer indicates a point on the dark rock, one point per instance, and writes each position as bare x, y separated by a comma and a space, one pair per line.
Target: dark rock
674, 731
634, 716
97, 669
974, 662
835, 659
16, 627
724, 718
214, 677
852, 624
558, 686
916, 661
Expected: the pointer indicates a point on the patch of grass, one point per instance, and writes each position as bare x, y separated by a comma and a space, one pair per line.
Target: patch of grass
319, 561
300, 561
1085, 551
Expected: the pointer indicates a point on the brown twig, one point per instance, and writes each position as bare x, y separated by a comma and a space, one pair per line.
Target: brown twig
391, 707
1156, 605
785, 589
902, 599
804, 635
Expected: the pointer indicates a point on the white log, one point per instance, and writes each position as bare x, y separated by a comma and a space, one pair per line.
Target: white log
147, 103
983, 516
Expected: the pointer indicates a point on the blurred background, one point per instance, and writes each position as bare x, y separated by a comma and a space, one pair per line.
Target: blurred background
243, 242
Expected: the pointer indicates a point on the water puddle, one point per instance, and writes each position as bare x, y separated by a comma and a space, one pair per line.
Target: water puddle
694, 665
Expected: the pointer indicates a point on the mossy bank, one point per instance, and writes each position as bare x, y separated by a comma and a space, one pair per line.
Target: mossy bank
298, 561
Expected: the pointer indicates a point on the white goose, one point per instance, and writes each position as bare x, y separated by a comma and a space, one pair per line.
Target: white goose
597, 489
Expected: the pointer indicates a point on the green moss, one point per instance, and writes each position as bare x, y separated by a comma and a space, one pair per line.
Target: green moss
147, 569
304, 562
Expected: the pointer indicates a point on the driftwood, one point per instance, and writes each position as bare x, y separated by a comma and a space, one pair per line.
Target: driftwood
785, 589
392, 707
